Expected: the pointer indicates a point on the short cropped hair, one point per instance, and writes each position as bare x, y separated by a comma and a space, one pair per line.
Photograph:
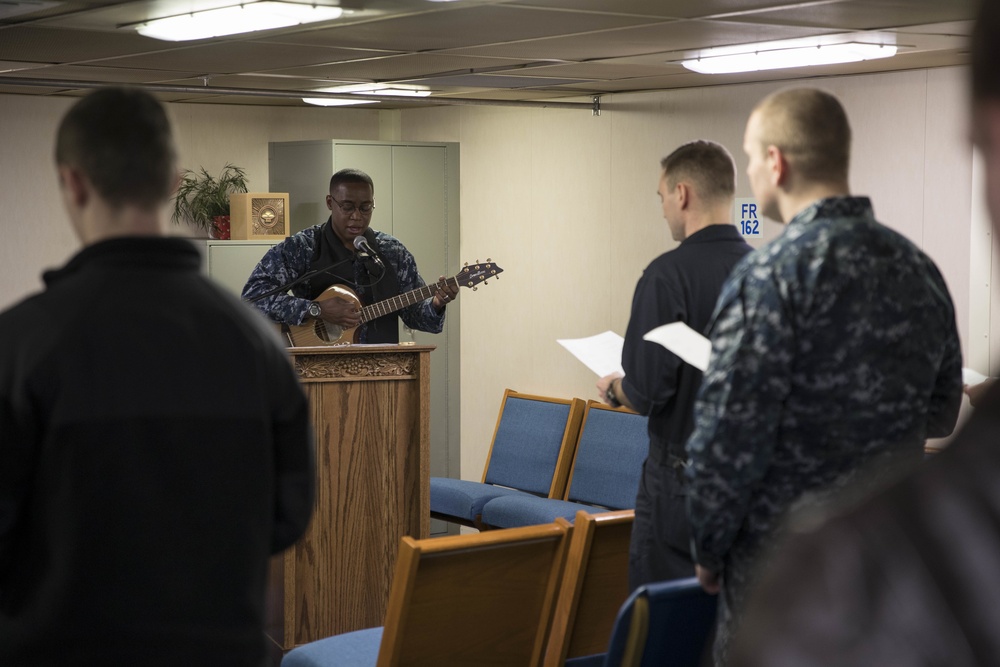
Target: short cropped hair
986, 52
120, 138
811, 129
706, 165
351, 176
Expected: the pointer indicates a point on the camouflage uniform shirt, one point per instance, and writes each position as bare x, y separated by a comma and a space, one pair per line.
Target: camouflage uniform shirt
833, 347
293, 257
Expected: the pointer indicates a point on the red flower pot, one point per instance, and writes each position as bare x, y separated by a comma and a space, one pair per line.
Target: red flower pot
220, 228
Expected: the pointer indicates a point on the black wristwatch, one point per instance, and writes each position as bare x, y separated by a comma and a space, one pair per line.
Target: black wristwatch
314, 309
610, 396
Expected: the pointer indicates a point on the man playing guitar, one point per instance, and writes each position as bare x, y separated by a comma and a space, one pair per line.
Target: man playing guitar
344, 251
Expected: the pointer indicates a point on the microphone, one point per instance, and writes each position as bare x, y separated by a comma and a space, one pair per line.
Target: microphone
361, 245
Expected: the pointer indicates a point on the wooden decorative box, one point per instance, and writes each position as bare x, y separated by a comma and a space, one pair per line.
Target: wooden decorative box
258, 216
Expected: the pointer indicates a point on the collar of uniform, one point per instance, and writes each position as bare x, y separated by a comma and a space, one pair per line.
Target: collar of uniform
132, 252
834, 207
718, 232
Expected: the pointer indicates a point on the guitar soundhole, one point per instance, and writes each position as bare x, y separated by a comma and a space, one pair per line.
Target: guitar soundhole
328, 333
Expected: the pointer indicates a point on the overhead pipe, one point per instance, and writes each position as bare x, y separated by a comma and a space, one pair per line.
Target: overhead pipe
293, 94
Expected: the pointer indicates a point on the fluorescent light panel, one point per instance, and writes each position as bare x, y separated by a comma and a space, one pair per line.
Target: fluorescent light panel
776, 56
364, 89
399, 92
248, 17
334, 101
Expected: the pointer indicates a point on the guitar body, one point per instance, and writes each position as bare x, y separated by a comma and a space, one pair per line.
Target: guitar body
320, 332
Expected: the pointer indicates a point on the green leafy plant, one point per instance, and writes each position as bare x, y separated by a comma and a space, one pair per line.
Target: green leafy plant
201, 197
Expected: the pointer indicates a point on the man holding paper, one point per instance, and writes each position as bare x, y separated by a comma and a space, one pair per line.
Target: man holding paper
697, 183
909, 578
834, 350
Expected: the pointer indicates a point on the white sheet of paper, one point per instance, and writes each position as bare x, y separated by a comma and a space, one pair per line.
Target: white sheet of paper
601, 353
683, 341
971, 377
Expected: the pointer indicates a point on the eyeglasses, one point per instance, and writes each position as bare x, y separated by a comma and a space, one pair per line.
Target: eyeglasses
348, 207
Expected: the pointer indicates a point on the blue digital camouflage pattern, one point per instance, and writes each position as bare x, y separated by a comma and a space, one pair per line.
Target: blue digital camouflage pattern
292, 257
834, 348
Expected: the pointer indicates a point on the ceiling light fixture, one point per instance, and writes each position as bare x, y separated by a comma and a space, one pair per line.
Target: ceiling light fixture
776, 55
365, 89
398, 92
248, 17
335, 101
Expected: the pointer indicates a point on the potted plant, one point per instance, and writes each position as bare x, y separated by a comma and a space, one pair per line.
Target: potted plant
203, 200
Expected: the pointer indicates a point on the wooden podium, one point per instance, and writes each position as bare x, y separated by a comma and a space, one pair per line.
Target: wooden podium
370, 411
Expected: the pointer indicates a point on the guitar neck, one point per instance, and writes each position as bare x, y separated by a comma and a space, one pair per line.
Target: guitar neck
391, 305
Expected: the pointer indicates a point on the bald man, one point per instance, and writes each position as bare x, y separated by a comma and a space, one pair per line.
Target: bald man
834, 351
910, 577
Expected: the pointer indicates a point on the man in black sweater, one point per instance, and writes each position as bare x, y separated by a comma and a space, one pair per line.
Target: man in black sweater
148, 473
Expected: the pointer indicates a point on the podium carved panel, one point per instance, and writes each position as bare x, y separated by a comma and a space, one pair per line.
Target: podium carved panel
367, 366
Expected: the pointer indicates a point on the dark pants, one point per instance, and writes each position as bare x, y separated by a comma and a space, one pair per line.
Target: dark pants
661, 536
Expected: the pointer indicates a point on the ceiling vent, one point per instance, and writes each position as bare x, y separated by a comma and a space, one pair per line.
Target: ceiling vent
9, 8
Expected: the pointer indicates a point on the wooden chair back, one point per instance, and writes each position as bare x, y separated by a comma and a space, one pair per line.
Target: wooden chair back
593, 587
475, 599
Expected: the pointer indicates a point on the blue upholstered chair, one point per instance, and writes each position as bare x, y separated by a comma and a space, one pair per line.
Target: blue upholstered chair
530, 456
476, 599
605, 474
667, 623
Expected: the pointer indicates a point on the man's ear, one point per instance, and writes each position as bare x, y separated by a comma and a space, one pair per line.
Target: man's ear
778, 165
683, 195
75, 185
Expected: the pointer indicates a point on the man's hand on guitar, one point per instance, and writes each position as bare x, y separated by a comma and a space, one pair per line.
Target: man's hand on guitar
341, 312
446, 293
340, 307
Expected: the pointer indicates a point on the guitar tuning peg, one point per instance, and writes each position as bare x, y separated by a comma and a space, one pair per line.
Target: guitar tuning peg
466, 264
488, 259
475, 289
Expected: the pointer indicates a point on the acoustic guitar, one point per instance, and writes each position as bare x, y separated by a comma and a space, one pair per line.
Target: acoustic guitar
320, 332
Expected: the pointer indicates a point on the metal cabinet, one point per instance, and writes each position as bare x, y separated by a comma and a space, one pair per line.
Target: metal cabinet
230, 262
